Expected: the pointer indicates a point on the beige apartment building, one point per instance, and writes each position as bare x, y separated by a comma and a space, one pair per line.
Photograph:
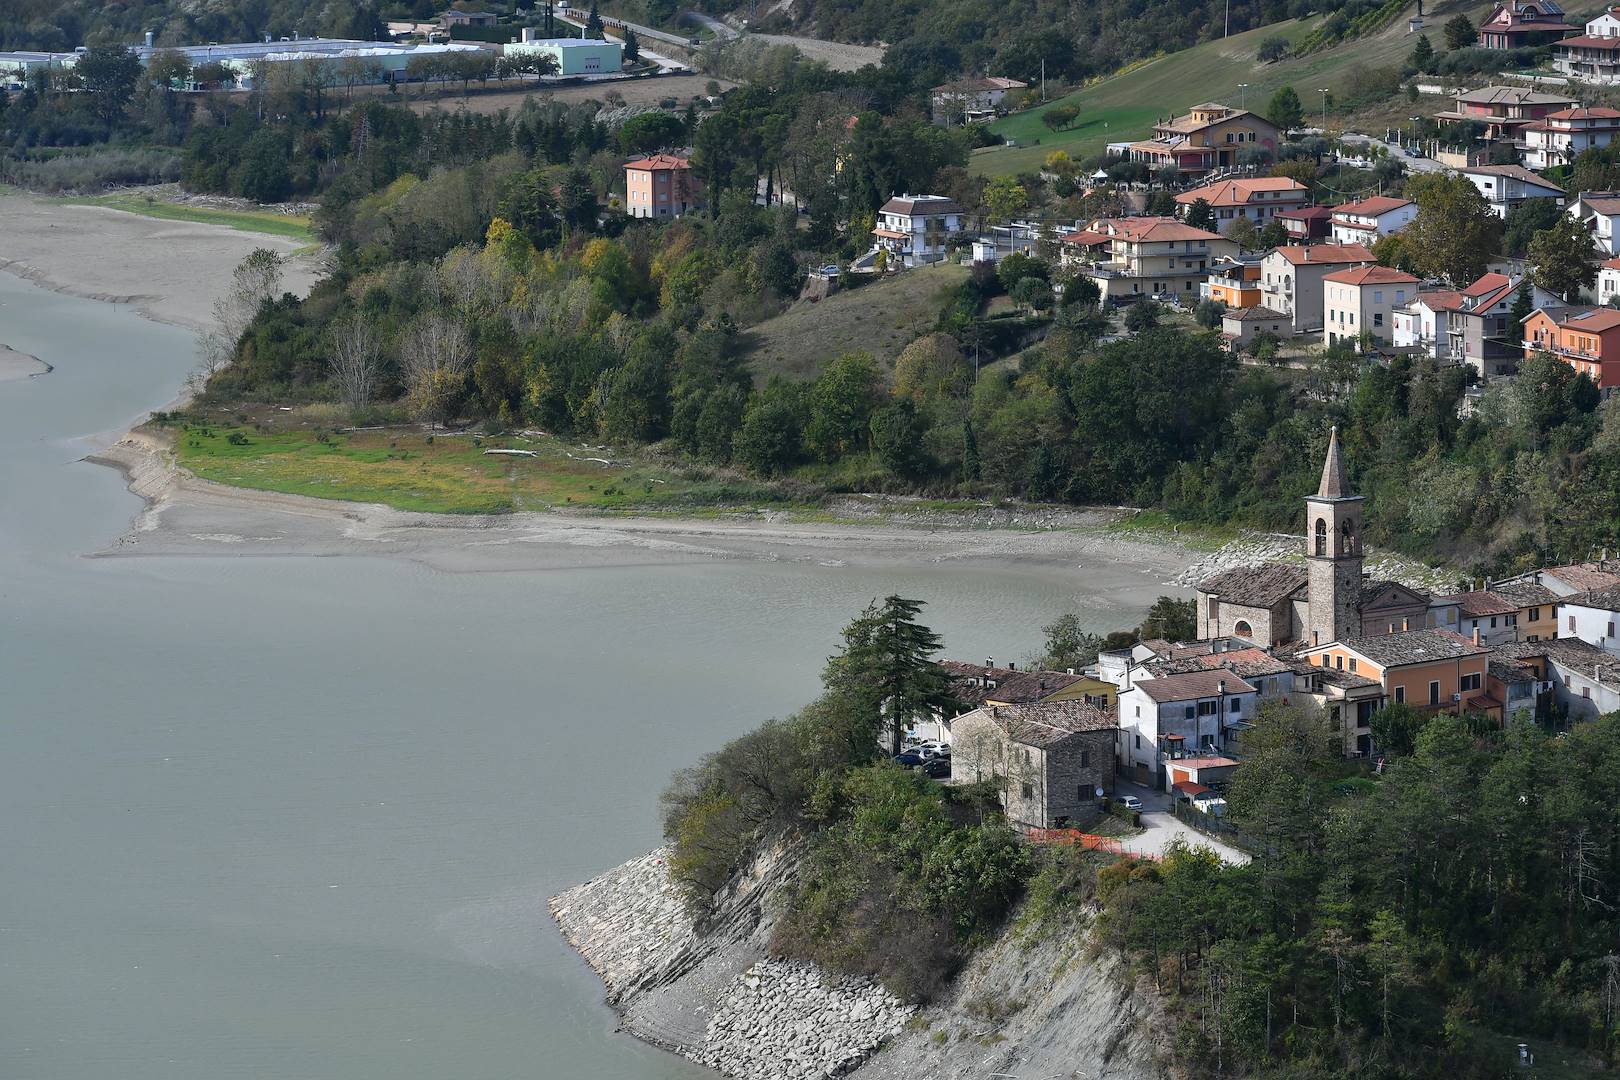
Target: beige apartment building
1363, 301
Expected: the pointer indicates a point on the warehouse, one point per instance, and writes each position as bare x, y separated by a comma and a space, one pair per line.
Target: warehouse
575, 56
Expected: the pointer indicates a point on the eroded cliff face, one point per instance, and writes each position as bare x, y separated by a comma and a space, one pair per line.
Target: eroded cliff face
1026, 1005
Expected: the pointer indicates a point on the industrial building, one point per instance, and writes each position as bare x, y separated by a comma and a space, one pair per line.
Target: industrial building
574, 56
15, 67
386, 60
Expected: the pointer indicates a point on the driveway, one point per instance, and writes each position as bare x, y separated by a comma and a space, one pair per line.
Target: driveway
1160, 826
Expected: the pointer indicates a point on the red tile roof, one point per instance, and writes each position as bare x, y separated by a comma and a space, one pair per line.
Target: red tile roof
1377, 206
1239, 192
658, 161
1372, 275
1326, 253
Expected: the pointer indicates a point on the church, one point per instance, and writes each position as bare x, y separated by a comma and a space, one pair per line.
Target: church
1326, 599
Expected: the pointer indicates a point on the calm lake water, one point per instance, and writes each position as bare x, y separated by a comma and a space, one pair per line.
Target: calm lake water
298, 818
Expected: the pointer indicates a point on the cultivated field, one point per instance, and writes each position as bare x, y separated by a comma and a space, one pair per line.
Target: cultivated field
881, 319
1125, 106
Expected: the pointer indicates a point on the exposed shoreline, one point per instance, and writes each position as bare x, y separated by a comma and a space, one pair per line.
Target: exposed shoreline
20, 365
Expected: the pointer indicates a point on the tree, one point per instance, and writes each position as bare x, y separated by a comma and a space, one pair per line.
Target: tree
1059, 117
255, 281
354, 354
1170, 619
1273, 48
1524, 303
771, 438
1460, 33
1562, 258
166, 69
650, 131
897, 439
1395, 728
886, 671
1068, 644
1455, 233
1244, 233
632, 46
842, 400
1005, 197
435, 354
1285, 109
1200, 215
1033, 293
1422, 56
109, 74
1142, 316
1208, 313
593, 24
1527, 219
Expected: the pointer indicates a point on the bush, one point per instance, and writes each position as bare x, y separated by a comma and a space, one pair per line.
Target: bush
94, 172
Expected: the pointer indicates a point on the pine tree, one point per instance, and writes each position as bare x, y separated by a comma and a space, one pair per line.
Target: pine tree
1200, 215
1285, 109
886, 670
632, 47
1422, 56
1460, 33
1524, 302
593, 24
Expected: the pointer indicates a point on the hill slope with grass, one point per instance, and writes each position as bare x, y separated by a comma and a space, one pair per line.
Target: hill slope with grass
1124, 106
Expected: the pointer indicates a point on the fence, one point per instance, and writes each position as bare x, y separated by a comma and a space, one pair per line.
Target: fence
1109, 845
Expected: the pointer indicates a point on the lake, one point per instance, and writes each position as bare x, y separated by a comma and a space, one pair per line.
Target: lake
299, 817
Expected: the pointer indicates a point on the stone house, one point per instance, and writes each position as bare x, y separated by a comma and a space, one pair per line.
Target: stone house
1574, 675
1052, 760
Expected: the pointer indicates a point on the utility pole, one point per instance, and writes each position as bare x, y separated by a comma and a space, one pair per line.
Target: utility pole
1043, 80
1323, 91
1227, 30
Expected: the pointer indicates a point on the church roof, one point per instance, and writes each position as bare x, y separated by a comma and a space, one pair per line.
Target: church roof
1332, 486
1255, 586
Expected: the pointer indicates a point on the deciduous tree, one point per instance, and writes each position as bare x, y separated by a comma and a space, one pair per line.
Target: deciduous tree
1455, 232
1561, 258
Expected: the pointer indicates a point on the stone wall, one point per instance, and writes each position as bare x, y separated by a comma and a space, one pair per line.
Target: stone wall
713, 995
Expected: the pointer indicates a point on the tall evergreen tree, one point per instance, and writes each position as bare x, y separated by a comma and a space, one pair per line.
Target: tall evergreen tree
887, 669
1285, 109
1422, 55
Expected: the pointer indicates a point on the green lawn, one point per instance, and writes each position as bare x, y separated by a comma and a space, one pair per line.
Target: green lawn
296, 227
410, 470
1124, 106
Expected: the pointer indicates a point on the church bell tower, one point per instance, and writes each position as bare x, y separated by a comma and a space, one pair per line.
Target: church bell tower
1333, 555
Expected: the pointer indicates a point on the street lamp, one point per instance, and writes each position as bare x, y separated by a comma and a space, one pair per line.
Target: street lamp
1243, 100
1323, 91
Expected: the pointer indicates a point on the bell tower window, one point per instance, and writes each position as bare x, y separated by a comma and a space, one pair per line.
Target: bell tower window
1321, 536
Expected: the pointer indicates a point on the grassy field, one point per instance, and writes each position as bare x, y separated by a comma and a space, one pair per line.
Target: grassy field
259, 221
881, 318
1124, 106
443, 473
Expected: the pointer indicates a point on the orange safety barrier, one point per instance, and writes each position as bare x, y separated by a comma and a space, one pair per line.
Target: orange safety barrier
1089, 841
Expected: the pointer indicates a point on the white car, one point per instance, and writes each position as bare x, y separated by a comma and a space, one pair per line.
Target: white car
1129, 802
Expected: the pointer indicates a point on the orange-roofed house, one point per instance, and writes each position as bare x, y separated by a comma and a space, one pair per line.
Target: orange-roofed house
1559, 137
1155, 256
1363, 301
1235, 282
1291, 279
1258, 199
661, 186
1592, 57
1365, 220
1608, 280
1207, 137
1585, 338
1473, 325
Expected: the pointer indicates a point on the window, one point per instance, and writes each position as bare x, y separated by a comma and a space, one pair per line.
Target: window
1470, 681
1586, 691
1139, 740
1378, 296
1242, 628
1139, 710
1611, 628
1085, 761
1353, 660
1190, 712
1572, 624
1208, 708
1338, 662
1028, 791
1434, 693
1321, 543
1236, 706
1400, 693
1378, 318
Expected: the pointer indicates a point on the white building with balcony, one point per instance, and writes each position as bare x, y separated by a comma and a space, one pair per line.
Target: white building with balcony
1507, 187
914, 229
1365, 220
1147, 256
1166, 718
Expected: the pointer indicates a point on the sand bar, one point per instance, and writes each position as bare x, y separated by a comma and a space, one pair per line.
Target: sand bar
170, 270
19, 365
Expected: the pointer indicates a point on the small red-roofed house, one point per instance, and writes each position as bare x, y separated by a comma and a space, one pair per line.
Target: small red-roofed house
1362, 301
661, 186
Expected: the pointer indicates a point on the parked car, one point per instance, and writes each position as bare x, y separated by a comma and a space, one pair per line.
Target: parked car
1411, 152
1129, 802
934, 749
908, 760
938, 768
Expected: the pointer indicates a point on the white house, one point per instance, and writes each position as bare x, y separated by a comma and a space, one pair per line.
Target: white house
914, 228
1507, 187
1365, 220
1593, 616
1291, 279
1559, 137
1363, 301
1598, 211
1170, 717
1592, 57
1608, 280
1470, 325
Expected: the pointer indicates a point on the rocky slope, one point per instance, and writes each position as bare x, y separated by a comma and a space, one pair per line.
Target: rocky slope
1024, 1006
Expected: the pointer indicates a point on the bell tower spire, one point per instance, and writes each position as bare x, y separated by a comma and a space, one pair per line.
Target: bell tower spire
1333, 554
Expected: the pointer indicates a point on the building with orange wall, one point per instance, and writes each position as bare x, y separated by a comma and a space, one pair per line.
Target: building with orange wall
1427, 669
1585, 338
661, 186
1234, 281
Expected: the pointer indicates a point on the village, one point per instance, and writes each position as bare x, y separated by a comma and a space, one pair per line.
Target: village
1159, 724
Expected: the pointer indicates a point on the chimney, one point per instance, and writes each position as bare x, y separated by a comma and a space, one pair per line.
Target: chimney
1071, 671
990, 661
1221, 686
1476, 635
1406, 623
1012, 665
1305, 253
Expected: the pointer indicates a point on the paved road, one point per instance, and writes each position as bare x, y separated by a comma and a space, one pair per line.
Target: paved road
720, 29
1160, 826
1413, 164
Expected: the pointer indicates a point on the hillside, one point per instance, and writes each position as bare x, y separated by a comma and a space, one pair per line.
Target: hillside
881, 318
1124, 106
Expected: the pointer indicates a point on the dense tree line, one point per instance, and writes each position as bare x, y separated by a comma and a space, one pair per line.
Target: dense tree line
1419, 925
